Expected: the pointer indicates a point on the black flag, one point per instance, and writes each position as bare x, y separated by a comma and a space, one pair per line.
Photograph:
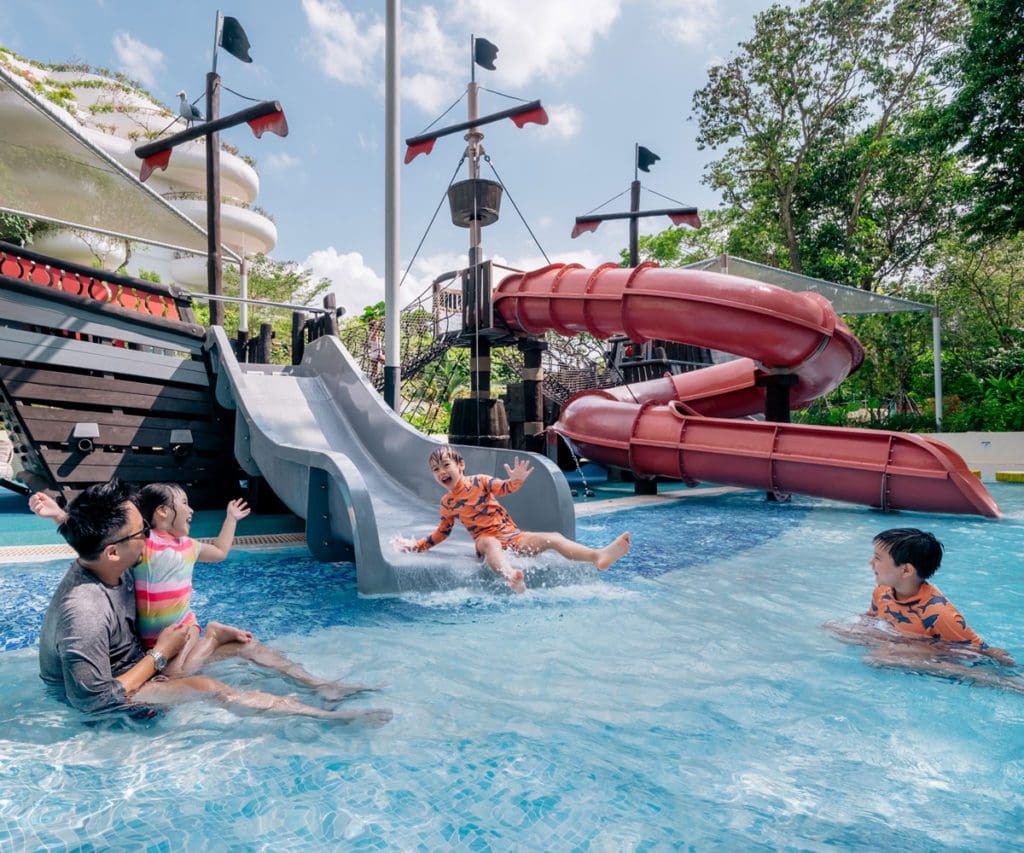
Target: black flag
645, 158
484, 53
234, 40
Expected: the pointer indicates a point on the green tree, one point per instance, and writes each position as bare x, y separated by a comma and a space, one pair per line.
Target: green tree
986, 114
15, 229
819, 116
270, 281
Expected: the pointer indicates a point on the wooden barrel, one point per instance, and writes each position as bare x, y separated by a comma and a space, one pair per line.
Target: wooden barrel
480, 423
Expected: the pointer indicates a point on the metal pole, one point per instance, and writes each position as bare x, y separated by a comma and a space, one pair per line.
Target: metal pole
634, 224
392, 315
214, 266
480, 358
937, 355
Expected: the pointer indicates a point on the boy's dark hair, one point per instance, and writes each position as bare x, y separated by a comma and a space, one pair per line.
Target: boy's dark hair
152, 496
910, 545
445, 451
95, 517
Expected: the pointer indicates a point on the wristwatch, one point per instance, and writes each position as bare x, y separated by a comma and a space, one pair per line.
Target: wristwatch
159, 661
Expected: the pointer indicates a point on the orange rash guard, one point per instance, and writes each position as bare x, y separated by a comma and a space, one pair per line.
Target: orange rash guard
928, 614
474, 502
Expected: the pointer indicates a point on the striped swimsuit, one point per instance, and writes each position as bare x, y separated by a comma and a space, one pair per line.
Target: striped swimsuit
473, 502
163, 584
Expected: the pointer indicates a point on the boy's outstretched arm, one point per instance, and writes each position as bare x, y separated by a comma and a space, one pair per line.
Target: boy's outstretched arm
46, 507
221, 547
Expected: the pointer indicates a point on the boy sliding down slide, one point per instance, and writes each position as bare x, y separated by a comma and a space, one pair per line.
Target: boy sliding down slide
472, 500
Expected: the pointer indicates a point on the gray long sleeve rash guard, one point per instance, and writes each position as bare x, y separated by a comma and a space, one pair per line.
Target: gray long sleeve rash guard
89, 638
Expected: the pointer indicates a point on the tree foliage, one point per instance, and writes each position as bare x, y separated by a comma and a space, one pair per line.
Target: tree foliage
986, 115
819, 115
270, 281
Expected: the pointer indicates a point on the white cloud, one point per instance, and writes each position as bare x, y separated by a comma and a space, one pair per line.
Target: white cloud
281, 162
428, 91
564, 120
366, 142
345, 45
537, 38
425, 45
692, 22
357, 285
353, 283
139, 61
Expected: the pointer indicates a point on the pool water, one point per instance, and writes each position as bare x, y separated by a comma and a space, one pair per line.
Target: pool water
689, 697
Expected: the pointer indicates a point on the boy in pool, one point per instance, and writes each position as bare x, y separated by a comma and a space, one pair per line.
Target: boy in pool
903, 560
472, 500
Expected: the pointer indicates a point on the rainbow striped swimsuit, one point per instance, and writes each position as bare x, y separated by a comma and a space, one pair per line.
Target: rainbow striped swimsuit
163, 585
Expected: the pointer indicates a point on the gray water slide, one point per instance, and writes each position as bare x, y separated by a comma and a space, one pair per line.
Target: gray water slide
339, 457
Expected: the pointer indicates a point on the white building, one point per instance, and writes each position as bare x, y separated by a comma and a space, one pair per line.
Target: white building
115, 116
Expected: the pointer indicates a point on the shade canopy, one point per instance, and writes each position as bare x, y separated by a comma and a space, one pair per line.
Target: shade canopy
845, 300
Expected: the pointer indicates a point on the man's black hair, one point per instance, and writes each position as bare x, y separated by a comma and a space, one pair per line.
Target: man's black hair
910, 545
95, 517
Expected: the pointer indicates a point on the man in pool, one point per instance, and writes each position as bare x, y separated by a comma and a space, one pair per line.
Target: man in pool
89, 648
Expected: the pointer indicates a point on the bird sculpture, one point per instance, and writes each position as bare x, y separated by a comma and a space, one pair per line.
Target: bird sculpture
188, 111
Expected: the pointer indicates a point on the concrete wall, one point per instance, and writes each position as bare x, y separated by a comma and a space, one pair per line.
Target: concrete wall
987, 451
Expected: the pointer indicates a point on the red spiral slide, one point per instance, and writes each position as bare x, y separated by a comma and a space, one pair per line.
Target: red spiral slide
692, 427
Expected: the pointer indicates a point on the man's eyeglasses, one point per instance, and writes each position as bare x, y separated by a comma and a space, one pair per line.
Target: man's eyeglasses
144, 533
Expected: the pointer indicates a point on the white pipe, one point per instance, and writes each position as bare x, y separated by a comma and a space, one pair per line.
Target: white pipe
243, 292
392, 315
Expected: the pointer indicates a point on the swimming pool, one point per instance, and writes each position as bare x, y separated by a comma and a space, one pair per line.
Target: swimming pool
687, 698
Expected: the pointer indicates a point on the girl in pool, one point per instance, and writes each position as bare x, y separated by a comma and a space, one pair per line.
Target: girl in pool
472, 500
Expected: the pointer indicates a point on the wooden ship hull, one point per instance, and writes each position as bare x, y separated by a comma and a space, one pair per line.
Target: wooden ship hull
105, 376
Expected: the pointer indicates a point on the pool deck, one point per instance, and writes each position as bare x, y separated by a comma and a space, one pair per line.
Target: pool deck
26, 538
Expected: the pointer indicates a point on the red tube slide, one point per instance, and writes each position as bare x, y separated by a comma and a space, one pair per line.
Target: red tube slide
679, 426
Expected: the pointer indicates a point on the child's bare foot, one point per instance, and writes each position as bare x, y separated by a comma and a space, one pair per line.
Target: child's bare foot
612, 552
335, 691
515, 579
227, 633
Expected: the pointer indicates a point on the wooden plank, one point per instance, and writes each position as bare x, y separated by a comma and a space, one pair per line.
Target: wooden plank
54, 426
70, 379
201, 495
112, 397
19, 347
33, 310
58, 457
136, 473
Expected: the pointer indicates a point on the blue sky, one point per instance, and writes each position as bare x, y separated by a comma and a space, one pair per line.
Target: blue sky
610, 73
